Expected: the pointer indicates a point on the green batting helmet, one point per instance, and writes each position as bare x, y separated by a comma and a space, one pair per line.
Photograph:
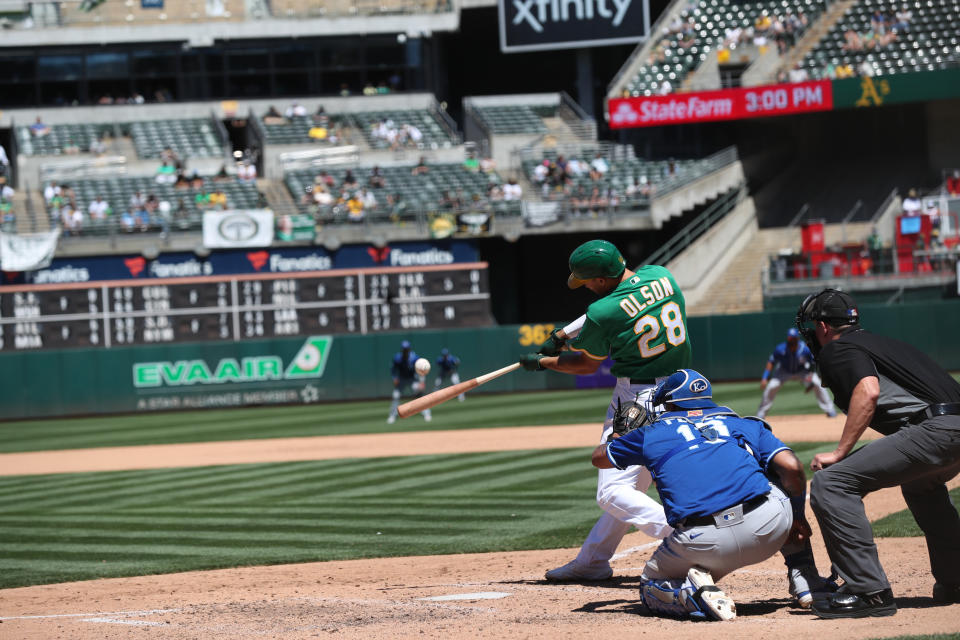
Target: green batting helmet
594, 259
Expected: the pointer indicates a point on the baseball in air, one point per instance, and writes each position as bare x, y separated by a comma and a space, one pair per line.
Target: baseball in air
422, 366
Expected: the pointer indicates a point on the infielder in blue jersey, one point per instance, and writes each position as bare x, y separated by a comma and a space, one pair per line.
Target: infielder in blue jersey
792, 360
710, 466
405, 377
447, 365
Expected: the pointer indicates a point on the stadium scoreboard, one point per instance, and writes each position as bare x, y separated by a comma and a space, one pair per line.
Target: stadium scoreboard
241, 307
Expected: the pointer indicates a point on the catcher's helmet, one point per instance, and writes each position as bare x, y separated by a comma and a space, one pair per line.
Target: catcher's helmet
595, 259
686, 388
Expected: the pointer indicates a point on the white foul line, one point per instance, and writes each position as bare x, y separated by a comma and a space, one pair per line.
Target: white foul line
631, 550
483, 595
138, 623
98, 613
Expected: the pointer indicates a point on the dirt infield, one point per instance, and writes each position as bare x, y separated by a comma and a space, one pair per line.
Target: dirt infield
493, 595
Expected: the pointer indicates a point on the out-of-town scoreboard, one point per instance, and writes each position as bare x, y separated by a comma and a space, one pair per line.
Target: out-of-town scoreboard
242, 307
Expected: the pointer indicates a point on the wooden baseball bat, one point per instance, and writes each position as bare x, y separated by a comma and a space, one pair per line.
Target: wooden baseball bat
439, 396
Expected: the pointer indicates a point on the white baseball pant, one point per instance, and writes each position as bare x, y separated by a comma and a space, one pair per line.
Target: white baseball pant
622, 495
809, 378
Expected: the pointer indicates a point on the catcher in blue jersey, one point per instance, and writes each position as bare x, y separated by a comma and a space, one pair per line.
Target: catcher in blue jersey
711, 467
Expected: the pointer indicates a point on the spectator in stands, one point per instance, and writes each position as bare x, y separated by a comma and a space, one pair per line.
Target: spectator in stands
321, 117
798, 74
202, 199
349, 181
295, 110
170, 156
218, 199
953, 183
166, 173
376, 179
182, 182
72, 220
98, 147
222, 175
321, 197
598, 201
369, 89
164, 217
136, 201
512, 190
911, 204
580, 200
576, 168
71, 148
382, 88
344, 90
247, 172
324, 179
903, 18
128, 221
421, 168
413, 135
136, 98
4, 160
318, 133
368, 199
272, 116
488, 165
51, 191
471, 163
598, 167
182, 214
196, 181
355, 208
932, 211
38, 129
99, 209
396, 208
6, 191
142, 217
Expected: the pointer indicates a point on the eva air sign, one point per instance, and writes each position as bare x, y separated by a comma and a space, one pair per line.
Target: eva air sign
308, 363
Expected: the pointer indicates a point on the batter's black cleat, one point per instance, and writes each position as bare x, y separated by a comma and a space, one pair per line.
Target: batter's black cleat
946, 593
856, 605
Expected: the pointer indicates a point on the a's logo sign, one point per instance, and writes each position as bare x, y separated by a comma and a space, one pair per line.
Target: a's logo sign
258, 259
238, 228
872, 92
378, 255
135, 265
698, 386
309, 362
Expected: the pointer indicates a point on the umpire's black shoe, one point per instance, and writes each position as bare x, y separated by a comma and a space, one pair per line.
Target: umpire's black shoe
857, 605
946, 593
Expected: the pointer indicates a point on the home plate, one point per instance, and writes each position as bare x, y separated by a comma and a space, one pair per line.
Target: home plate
483, 595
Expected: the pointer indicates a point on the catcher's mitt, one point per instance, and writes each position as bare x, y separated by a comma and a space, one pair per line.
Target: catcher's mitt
553, 345
629, 417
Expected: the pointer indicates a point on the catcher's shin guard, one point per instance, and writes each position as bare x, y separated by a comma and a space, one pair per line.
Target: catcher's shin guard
667, 598
708, 597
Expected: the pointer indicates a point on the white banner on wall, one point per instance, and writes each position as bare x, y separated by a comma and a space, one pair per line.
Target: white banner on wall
28, 251
238, 228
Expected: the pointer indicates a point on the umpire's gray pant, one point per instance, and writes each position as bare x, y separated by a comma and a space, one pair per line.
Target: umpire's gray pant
920, 459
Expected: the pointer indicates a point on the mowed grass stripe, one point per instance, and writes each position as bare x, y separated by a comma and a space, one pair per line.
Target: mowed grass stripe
292, 512
479, 411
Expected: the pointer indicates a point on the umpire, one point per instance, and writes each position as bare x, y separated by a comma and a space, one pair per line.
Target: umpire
897, 390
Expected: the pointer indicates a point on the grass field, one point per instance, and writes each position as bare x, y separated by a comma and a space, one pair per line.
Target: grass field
490, 410
64, 527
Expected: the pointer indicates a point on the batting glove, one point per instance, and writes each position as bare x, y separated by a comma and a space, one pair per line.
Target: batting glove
553, 345
531, 361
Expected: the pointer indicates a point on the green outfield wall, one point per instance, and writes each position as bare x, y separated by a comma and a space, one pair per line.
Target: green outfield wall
328, 368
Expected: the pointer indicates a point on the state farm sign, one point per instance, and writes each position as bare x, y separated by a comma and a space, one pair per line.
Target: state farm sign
727, 104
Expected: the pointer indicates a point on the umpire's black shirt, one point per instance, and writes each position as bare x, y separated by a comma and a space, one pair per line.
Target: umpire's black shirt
909, 379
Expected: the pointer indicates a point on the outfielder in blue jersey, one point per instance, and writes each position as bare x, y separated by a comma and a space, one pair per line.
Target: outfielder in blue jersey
447, 365
792, 360
405, 377
711, 468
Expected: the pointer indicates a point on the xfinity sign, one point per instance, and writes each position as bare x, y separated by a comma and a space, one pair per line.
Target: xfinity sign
531, 25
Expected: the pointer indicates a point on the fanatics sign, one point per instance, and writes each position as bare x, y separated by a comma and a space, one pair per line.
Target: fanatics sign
532, 25
727, 104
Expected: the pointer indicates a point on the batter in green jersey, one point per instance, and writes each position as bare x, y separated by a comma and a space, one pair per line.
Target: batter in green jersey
640, 324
